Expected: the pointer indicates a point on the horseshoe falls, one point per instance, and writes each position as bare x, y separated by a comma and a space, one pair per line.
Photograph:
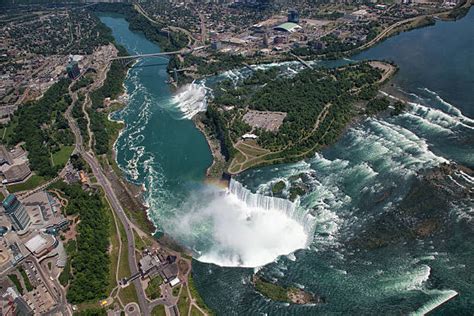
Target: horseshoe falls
364, 235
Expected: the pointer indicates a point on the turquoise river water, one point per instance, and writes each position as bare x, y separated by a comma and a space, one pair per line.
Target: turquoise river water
312, 243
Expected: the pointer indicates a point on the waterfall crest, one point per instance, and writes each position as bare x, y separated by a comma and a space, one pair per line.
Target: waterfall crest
271, 203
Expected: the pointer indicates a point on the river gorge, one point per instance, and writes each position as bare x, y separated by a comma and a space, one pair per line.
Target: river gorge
362, 235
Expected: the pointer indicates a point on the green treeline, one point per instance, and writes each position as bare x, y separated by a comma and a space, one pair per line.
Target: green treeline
84, 81
43, 128
89, 269
272, 291
16, 282
318, 104
217, 124
377, 105
100, 125
80, 117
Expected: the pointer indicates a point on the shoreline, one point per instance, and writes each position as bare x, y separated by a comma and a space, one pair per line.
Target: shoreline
135, 191
395, 29
218, 170
218, 160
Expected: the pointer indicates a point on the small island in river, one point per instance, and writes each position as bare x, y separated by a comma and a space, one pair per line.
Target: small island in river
271, 117
292, 295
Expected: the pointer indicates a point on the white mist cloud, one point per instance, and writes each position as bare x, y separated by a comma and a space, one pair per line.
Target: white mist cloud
227, 232
190, 99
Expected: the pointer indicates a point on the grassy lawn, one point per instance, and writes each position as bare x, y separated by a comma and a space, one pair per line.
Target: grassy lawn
139, 243
153, 289
176, 290
33, 182
6, 132
16, 281
158, 310
195, 294
61, 157
124, 268
184, 302
26, 280
114, 253
195, 311
89, 306
128, 294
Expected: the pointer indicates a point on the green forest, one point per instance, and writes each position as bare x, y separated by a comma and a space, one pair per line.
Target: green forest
319, 103
43, 128
101, 127
89, 260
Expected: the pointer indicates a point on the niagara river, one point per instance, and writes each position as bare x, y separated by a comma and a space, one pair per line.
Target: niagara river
367, 235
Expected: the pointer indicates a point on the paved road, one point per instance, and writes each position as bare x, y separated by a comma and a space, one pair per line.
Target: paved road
113, 200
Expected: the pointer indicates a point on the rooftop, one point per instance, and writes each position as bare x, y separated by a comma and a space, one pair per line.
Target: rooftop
287, 27
5, 156
11, 198
17, 173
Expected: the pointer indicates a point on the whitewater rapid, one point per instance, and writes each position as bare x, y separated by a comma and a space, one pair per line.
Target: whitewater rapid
375, 160
190, 99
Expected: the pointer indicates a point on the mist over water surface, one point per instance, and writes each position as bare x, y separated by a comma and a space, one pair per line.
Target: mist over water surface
350, 186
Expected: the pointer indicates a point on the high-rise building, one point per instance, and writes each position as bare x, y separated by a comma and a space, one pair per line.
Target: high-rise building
293, 16
73, 69
16, 212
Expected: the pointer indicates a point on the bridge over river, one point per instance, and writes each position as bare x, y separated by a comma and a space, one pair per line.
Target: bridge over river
182, 52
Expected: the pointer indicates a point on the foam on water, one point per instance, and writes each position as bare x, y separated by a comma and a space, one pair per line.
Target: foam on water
408, 281
439, 297
441, 118
190, 100
448, 107
241, 228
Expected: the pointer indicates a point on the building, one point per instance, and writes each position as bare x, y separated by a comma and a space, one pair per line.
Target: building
249, 136
56, 228
5, 157
16, 173
39, 245
17, 256
288, 27
148, 263
293, 16
83, 177
73, 70
13, 165
16, 212
358, 15
22, 308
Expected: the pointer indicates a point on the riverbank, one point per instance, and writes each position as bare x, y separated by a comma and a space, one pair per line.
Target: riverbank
223, 124
340, 179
